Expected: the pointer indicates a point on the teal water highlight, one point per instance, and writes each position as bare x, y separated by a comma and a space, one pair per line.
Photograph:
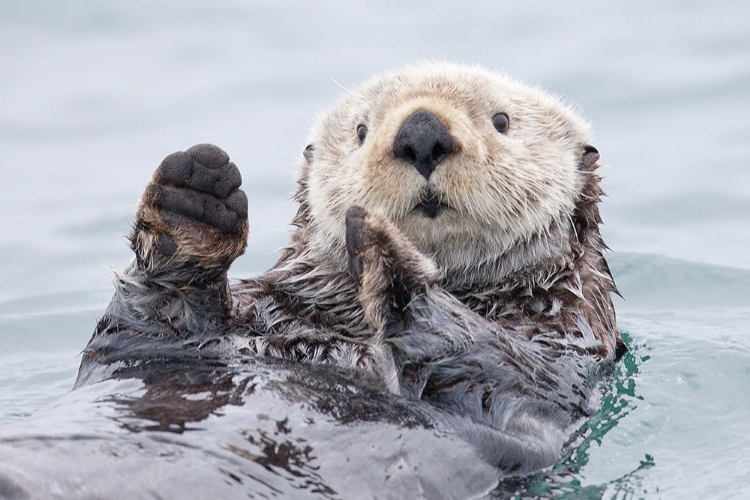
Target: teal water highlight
568, 478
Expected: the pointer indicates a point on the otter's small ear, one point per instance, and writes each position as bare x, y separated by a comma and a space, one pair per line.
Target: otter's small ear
589, 158
308, 153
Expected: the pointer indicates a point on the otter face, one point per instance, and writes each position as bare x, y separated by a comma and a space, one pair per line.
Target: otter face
466, 163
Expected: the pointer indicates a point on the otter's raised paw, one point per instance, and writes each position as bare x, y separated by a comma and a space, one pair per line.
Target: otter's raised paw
387, 266
200, 183
192, 212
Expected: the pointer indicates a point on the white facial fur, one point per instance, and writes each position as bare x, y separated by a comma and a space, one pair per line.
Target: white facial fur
503, 189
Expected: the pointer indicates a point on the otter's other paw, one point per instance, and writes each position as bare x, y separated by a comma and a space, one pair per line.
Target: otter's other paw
192, 213
386, 265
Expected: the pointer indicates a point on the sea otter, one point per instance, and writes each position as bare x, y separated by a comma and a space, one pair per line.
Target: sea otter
446, 250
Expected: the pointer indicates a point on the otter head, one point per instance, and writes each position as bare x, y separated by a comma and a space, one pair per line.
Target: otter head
471, 166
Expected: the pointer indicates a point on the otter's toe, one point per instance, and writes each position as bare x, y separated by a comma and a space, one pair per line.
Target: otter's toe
205, 168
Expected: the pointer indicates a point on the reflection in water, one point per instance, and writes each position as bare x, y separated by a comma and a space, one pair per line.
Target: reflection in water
282, 414
177, 396
182, 395
293, 456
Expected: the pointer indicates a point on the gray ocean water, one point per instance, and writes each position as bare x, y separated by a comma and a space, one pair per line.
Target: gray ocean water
94, 93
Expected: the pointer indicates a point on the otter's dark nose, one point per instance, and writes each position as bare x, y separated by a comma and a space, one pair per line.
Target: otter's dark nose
423, 141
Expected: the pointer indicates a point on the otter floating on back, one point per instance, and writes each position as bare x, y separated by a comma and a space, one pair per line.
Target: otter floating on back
446, 250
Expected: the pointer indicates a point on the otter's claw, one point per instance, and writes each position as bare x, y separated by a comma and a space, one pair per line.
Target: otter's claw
356, 233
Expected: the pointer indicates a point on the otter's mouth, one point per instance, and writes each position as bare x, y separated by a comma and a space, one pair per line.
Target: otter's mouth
430, 205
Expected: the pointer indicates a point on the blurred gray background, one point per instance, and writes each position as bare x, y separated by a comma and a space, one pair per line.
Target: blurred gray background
96, 93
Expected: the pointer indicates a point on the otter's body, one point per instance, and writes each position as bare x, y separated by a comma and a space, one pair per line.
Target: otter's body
446, 250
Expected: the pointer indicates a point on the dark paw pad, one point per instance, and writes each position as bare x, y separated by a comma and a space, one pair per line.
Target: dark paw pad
204, 168
202, 184
225, 215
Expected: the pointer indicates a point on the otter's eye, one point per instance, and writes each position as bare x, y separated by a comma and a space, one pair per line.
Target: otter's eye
361, 133
500, 122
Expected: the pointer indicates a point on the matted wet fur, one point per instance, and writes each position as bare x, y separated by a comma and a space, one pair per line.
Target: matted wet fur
446, 250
